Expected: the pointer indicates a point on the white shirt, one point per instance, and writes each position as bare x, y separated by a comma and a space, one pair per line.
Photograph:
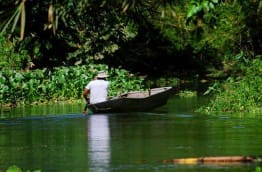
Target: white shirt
98, 90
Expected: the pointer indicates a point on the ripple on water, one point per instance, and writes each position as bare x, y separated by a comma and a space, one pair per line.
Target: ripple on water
184, 115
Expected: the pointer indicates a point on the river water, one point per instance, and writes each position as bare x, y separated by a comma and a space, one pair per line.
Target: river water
59, 138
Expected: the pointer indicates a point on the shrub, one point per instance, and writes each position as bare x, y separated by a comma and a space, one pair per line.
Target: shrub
241, 93
59, 84
9, 57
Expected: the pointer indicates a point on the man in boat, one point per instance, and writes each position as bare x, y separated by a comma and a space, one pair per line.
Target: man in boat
97, 88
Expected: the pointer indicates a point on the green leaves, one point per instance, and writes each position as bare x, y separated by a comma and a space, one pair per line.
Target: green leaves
197, 7
10, 58
64, 83
240, 93
14, 168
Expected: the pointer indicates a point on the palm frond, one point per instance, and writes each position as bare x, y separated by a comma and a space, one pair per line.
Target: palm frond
19, 13
23, 20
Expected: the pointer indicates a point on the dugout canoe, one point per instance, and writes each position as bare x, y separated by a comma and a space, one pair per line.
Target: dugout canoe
134, 101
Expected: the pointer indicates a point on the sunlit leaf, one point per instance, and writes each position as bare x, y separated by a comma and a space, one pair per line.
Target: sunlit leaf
13, 168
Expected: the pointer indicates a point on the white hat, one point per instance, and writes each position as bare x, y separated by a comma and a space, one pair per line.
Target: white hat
101, 74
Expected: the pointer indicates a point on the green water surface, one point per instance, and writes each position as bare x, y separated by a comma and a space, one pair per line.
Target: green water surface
59, 138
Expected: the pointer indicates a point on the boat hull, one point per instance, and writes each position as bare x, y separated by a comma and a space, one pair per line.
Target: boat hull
134, 101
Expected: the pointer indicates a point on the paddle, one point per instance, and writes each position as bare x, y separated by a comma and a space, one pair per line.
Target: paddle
85, 108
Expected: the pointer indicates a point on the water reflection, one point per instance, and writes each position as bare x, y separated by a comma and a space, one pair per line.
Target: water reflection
98, 142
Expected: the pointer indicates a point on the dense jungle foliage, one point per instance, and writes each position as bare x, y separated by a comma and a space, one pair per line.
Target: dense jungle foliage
207, 38
60, 84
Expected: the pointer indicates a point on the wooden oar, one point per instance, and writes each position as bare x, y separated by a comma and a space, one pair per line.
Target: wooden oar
84, 111
85, 108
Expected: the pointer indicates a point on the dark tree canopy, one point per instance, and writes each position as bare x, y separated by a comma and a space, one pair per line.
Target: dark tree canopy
146, 36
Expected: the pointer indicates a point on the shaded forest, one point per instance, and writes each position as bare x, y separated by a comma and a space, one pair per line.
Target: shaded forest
147, 37
214, 40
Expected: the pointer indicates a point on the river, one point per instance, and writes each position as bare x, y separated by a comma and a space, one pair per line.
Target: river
59, 138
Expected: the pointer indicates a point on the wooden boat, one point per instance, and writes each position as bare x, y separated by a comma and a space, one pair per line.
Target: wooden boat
135, 101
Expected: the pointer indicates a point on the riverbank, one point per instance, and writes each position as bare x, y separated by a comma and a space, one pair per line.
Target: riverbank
240, 92
66, 84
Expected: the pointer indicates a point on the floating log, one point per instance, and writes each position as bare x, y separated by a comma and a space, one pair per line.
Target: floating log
215, 160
